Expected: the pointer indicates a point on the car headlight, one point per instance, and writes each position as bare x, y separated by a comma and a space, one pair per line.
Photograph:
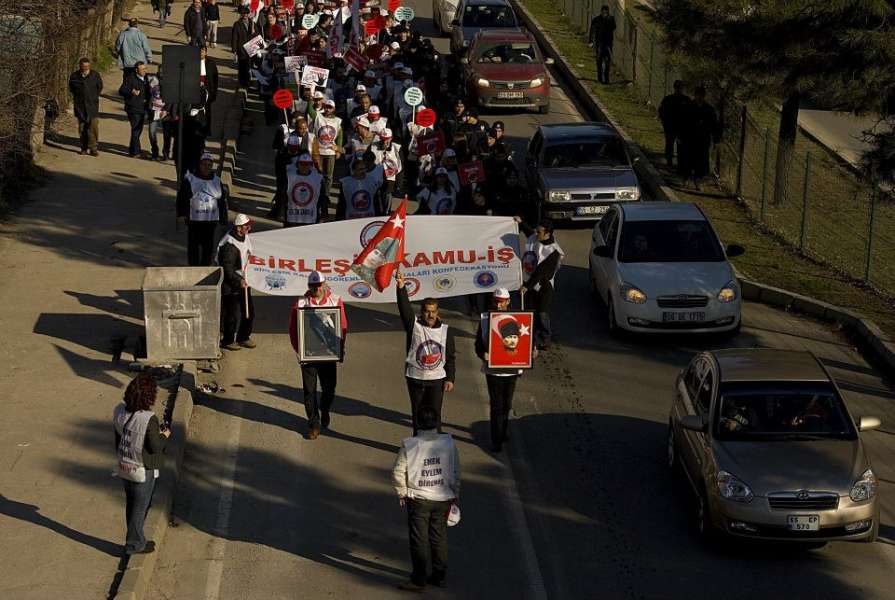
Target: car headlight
537, 82
732, 488
632, 294
728, 293
559, 196
482, 82
864, 488
627, 194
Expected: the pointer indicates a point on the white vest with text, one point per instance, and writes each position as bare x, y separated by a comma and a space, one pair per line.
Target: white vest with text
206, 195
302, 193
430, 467
359, 195
536, 253
425, 359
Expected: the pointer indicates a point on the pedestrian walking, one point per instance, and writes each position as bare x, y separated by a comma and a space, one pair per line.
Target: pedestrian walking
426, 477
163, 8
131, 47
202, 203
194, 24
136, 93
357, 193
242, 31
540, 262
237, 308
601, 37
327, 128
85, 86
701, 129
209, 79
212, 20
158, 117
140, 441
302, 192
317, 407
673, 113
430, 365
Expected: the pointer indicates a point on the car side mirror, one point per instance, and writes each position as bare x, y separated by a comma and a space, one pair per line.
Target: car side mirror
734, 250
868, 423
601, 250
694, 423
549, 61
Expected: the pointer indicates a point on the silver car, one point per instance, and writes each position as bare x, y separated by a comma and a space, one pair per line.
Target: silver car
770, 450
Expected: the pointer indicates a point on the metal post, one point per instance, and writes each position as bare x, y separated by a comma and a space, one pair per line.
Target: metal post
764, 171
805, 201
634, 56
873, 195
181, 66
741, 152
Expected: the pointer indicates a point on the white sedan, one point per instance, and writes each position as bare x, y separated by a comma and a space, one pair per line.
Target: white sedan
443, 12
660, 267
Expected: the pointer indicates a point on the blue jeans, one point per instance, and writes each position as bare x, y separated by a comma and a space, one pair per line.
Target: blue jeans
138, 497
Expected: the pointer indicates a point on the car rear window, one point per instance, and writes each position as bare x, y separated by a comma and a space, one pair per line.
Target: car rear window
606, 152
786, 411
518, 53
488, 16
669, 241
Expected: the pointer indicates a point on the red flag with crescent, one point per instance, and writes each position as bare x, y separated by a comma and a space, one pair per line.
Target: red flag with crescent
380, 258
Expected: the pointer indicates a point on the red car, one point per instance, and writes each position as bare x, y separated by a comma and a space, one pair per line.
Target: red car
506, 69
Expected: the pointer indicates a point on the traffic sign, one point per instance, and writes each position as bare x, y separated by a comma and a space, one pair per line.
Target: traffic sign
413, 96
282, 99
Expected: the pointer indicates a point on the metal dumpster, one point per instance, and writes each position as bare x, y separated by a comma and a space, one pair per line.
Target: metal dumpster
182, 312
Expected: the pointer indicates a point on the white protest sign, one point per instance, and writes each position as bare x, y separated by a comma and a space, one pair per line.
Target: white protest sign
295, 63
315, 76
413, 96
310, 21
254, 46
404, 13
444, 256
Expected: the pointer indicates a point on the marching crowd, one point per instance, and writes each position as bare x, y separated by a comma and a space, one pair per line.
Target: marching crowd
376, 113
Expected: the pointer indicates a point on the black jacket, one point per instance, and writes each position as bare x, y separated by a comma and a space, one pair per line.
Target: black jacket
602, 31
211, 79
546, 269
194, 22
153, 445
241, 33
185, 193
408, 318
673, 111
230, 261
134, 105
212, 12
85, 93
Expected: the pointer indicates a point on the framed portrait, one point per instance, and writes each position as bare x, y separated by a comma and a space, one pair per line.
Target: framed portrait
319, 334
510, 343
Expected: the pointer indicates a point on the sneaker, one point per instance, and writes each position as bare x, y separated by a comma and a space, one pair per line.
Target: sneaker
409, 586
248, 344
165, 156
313, 433
324, 419
82, 152
232, 346
93, 153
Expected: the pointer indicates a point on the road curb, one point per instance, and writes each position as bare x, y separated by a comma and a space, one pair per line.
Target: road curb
650, 179
135, 580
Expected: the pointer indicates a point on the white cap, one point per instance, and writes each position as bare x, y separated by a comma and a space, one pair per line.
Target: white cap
395, 45
304, 157
363, 122
441, 171
501, 294
369, 73
420, 107
449, 153
374, 110
318, 94
360, 88
241, 219
206, 156
386, 134
329, 102
316, 278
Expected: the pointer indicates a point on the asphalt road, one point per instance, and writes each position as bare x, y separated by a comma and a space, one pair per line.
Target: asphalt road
579, 505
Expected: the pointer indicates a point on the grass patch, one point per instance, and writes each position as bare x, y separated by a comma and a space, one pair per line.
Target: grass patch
767, 259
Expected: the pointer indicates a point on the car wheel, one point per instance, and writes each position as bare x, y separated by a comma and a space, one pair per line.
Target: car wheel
543, 110
611, 323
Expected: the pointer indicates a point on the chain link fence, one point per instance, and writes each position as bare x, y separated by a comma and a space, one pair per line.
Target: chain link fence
828, 211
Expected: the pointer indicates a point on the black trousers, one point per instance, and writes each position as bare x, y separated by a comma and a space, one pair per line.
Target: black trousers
237, 326
243, 65
604, 63
137, 120
500, 395
200, 242
427, 523
425, 392
541, 305
670, 143
314, 406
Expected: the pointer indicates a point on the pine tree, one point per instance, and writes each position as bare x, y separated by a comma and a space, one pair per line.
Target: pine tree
838, 53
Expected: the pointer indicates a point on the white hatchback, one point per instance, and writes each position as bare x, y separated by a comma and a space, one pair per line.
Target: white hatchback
660, 267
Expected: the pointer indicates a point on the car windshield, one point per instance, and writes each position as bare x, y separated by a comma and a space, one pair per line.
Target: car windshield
669, 241
520, 53
605, 152
488, 16
787, 411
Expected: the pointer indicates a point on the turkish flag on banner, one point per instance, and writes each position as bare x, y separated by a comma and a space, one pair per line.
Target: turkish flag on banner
377, 263
393, 5
472, 172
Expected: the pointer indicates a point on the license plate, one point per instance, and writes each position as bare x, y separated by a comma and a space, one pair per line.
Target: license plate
803, 522
510, 95
682, 317
591, 210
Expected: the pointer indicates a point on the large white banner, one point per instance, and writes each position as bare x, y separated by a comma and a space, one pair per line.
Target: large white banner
444, 256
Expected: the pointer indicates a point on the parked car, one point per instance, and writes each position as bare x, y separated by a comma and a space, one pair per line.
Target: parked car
660, 267
768, 445
575, 171
473, 16
443, 12
506, 69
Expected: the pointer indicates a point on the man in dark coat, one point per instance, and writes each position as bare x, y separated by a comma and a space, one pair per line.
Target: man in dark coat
237, 308
701, 129
242, 31
602, 36
136, 93
194, 24
672, 112
85, 86
209, 78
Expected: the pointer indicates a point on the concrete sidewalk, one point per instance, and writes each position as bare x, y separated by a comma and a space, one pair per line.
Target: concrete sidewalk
72, 260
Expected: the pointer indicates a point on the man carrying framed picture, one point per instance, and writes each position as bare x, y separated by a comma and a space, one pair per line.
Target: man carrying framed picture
318, 329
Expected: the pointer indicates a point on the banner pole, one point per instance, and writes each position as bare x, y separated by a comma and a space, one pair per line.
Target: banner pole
245, 295
522, 298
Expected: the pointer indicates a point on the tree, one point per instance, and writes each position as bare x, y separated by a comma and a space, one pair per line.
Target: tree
839, 54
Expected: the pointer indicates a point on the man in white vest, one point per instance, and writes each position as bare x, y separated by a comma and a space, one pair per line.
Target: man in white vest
303, 185
430, 365
202, 203
357, 198
426, 477
237, 308
388, 155
540, 262
318, 295
327, 129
